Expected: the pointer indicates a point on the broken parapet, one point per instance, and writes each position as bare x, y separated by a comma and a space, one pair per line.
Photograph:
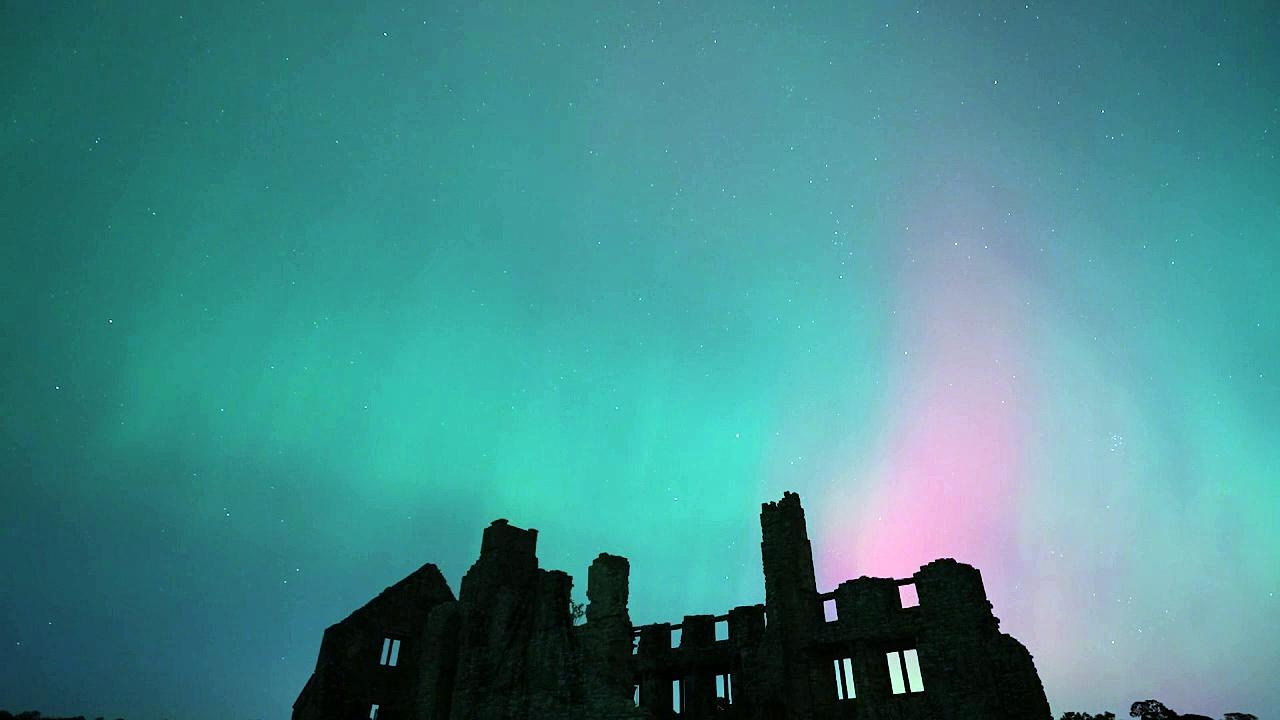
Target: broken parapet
925, 647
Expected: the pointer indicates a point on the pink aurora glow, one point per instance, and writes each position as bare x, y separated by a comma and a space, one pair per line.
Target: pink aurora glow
943, 479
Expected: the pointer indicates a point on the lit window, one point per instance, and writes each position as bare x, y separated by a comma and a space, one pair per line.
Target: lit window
390, 652
844, 678
904, 672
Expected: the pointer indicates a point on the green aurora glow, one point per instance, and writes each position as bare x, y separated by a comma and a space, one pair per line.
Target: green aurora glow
297, 296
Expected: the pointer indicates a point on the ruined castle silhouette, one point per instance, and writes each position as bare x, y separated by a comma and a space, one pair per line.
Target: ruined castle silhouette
508, 648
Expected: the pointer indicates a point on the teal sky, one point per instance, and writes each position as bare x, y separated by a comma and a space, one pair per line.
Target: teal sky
296, 296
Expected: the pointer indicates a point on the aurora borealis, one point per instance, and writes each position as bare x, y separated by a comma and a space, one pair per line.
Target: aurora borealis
300, 295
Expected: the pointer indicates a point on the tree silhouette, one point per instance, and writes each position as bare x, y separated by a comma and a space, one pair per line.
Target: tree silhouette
1155, 710
1151, 710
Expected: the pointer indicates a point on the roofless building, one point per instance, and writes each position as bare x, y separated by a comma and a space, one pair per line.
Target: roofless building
925, 647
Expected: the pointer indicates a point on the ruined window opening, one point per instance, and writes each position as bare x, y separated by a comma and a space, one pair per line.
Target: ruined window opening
904, 672
722, 630
373, 712
895, 673
675, 638
844, 679
724, 690
390, 652
635, 695
907, 595
677, 697
829, 610
914, 680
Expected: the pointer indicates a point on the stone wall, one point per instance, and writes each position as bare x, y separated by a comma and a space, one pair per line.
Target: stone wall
782, 662
507, 648
352, 674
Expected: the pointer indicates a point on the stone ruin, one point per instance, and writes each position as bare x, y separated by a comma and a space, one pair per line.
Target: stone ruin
507, 648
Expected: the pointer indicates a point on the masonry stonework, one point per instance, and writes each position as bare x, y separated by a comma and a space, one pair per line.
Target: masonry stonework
507, 647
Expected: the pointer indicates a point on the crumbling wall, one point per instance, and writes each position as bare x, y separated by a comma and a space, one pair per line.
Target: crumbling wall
507, 648
352, 674
503, 597
792, 607
606, 641
787, 661
433, 697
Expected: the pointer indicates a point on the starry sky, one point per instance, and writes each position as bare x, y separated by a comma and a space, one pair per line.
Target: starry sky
298, 295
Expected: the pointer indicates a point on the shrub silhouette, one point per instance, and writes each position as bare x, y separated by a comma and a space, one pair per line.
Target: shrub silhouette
1156, 710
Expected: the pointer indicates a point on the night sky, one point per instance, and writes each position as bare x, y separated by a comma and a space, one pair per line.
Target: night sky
297, 296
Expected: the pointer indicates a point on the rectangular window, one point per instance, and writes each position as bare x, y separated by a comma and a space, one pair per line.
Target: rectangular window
829, 610
675, 638
904, 672
677, 698
635, 695
844, 679
724, 690
895, 673
722, 630
390, 652
373, 712
914, 681
907, 596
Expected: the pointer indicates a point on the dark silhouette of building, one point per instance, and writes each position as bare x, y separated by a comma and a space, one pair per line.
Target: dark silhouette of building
922, 648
